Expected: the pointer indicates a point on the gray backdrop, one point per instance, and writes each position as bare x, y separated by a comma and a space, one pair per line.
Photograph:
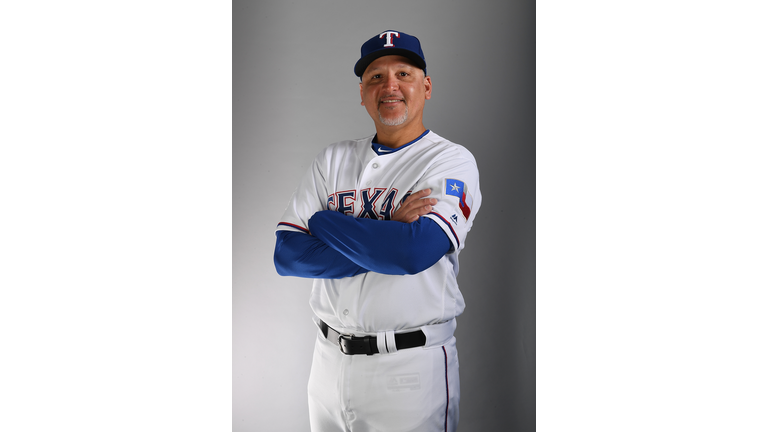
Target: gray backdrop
294, 93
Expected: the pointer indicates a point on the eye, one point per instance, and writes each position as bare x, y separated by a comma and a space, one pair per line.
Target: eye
404, 74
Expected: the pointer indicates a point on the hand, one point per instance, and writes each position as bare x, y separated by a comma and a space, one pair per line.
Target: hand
414, 207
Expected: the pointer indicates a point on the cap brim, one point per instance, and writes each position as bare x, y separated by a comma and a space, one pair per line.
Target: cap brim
363, 63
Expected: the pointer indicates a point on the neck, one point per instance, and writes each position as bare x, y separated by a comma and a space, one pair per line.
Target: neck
395, 138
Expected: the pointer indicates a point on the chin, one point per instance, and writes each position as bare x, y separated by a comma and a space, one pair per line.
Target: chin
394, 121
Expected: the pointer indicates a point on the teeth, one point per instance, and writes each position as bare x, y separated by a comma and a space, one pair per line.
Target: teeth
391, 100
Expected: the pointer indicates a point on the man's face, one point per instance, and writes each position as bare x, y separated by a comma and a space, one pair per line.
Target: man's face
393, 92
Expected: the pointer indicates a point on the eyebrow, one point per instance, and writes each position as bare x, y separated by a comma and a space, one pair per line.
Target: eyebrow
399, 65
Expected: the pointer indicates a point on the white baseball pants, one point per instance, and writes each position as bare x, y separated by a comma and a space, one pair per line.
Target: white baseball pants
411, 390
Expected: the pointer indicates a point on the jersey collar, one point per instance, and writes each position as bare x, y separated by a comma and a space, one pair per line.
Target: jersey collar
381, 149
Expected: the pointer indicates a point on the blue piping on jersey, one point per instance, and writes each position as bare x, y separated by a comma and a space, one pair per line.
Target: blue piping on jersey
458, 243
294, 226
382, 150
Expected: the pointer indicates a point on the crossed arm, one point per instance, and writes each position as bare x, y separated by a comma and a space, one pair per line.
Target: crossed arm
340, 246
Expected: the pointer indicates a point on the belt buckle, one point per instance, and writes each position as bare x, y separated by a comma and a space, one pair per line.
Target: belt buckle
342, 345
353, 343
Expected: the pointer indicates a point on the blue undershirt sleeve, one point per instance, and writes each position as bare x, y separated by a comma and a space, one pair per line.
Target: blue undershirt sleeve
388, 247
302, 255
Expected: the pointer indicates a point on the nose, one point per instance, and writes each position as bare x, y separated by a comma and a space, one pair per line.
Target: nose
392, 83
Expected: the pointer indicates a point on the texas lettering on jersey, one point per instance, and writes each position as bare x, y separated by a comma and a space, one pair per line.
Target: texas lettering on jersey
374, 203
379, 203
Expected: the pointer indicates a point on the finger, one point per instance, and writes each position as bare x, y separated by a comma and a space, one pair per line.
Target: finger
417, 199
417, 195
424, 204
419, 211
418, 207
424, 210
414, 206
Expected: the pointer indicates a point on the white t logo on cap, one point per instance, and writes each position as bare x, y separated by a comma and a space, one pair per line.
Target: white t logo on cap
389, 37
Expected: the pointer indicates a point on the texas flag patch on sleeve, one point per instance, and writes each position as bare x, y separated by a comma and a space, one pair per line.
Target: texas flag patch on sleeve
457, 188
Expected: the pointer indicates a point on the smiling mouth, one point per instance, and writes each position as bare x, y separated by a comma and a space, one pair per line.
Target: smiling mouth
390, 100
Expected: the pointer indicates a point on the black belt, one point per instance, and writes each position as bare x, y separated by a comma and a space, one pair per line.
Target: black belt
351, 344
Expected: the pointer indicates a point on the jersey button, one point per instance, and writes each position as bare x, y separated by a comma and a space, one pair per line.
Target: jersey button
375, 166
346, 311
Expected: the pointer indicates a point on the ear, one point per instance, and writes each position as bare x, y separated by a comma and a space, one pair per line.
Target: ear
428, 87
361, 95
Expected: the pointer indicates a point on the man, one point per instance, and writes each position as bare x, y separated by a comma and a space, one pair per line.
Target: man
385, 294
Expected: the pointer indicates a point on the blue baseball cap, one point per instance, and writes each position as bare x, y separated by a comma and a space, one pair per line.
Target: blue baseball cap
390, 42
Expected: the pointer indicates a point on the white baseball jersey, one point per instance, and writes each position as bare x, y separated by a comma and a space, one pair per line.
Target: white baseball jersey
350, 177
